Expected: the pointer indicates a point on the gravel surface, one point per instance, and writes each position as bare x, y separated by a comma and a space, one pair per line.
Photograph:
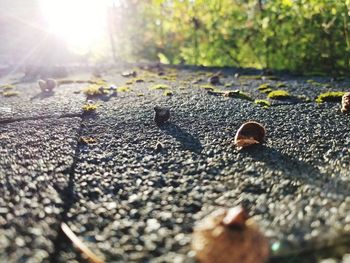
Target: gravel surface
31, 103
136, 201
35, 157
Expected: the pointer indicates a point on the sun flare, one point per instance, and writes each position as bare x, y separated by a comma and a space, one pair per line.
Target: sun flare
80, 23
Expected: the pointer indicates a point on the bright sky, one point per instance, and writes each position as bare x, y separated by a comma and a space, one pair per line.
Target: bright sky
80, 23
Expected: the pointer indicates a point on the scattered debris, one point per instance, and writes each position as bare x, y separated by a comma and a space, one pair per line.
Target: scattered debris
345, 103
128, 74
331, 96
161, 115
227, 236
250, 133
91, 256
87, 140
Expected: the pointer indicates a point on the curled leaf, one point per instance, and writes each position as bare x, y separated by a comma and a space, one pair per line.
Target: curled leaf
250, 133
345, 102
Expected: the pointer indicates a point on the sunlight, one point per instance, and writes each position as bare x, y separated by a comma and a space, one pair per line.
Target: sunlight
80, 23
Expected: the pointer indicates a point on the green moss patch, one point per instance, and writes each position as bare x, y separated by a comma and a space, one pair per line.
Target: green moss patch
332, 96
208, 87
7, 87
279, 95
123, 89
10, 93
250, 77
95, 90
265, 86
89, 107
263, 103
160, 86
237, 94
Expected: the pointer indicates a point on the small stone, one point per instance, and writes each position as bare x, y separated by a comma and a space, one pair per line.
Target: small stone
161, 115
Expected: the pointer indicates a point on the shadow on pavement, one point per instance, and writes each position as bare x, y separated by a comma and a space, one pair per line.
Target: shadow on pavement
294, 168
43, 95
187, 140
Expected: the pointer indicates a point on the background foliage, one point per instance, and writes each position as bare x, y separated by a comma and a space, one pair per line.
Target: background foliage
297, 35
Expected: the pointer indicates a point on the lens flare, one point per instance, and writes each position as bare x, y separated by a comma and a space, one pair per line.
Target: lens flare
80, 23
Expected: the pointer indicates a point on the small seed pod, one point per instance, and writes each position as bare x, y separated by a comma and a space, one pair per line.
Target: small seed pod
42, 85
227, 236
214, 80
161, 115
50, 84
250, 133
345, 103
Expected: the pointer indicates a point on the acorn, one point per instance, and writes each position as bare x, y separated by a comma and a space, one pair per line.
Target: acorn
214, 80
250, 133
161, 115
228, 236
345, 102
50, 84
42, 85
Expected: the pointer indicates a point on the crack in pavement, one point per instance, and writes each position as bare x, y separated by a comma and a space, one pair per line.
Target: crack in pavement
33, 118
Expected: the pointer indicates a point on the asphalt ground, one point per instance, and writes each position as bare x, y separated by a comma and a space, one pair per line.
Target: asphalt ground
131, 202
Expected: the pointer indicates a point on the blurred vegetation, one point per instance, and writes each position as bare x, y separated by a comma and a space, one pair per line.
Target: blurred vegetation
298, 35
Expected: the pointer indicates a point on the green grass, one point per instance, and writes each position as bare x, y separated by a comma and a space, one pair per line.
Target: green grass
279, 95
331, 96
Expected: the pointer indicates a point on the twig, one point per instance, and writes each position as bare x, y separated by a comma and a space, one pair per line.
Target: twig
80, 245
